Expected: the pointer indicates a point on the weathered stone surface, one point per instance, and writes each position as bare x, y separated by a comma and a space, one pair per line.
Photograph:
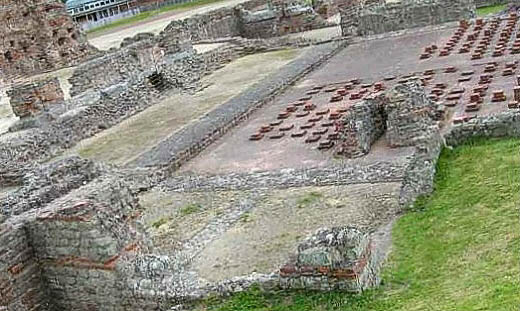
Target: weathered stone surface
280, 19
363, 18
404, 114
333, 259
44, 183
361, 126
29, 99
38, 36
410, 115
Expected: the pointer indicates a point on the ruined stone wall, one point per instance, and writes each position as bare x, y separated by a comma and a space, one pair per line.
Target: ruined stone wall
44, 183
404, 113
378, 172
36, 36
279, 23
370, 19
82, 251
220, 23
410, 115
361, 126
420, 172
29, 99
506, 124
21, 287
339, 259
78, 240
132, 62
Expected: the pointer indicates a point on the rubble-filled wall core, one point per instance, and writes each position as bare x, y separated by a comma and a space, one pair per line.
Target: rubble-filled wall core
361, 126
36, 36
21, 286
369, 19
71, 230
404, 114
333, 259
279, 21
31, 98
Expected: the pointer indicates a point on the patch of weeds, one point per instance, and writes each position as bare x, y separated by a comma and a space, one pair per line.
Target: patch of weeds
246, 217
308, 199
190, 209
161, 221
419, 205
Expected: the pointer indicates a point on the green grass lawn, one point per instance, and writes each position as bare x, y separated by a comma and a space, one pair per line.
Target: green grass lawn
458, 249
493, 9
145, 15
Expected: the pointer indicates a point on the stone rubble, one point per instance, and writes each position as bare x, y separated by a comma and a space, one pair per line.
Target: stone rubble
72, 235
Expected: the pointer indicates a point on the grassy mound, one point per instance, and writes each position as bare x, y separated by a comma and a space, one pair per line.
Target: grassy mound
458, 249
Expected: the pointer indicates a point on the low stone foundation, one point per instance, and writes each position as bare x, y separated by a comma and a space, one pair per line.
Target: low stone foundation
506, 124
369, 19
333, 259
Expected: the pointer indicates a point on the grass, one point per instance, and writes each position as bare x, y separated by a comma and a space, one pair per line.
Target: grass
493, 9
458, 249
308, 199
145, 15
190, 209
158, 223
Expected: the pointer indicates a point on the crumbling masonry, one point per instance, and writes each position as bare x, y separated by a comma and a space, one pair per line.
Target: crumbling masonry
334, 155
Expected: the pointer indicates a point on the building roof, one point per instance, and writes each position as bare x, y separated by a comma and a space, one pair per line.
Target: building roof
76, 3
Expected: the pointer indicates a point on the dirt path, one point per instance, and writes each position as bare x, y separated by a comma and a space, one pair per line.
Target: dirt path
113, 38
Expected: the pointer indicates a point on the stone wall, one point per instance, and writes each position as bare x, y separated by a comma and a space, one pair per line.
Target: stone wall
219, 23
369, 19
340, 259
361, 126
349, 173
410, 115
409, 118
36, 36
506, 124
21, 286
404, 114
47, 182
84, 250
245, 20
29, 99
78, 240
278, 22
420, 172
130, 63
